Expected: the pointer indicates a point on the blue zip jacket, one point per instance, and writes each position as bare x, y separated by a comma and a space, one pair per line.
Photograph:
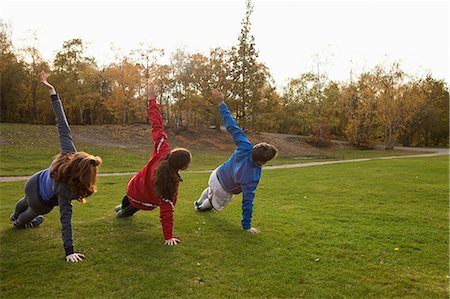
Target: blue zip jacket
239, 173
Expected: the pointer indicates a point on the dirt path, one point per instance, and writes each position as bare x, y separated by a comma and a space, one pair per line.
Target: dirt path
435, 152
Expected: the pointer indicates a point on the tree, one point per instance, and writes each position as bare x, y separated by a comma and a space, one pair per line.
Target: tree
182, 91
125, 102
434, 129
388, 86
268, 114
412, 112
359, 104
78, 79
208, 73
317, 105
36, 98
248, 77
12, 80
146, 59
163, 78
298, 94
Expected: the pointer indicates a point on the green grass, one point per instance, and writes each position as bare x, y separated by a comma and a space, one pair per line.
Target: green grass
26, 149
376, 229
17, 161
341, 155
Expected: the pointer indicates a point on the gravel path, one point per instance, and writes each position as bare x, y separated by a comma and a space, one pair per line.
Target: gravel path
434, 152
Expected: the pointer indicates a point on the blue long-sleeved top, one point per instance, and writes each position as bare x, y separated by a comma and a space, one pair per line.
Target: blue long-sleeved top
239, 173
60, 195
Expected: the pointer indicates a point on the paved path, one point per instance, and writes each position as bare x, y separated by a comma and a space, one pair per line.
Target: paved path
433, 152
444, 151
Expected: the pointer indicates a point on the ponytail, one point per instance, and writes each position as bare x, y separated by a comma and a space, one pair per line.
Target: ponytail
165, 179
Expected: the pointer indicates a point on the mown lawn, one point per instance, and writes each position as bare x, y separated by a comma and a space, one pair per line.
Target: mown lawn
376, 229
26, 149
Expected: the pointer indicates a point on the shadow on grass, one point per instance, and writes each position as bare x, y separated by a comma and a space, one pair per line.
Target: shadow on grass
226, 230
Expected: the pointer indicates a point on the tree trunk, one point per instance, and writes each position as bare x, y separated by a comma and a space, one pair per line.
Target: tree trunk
81, 115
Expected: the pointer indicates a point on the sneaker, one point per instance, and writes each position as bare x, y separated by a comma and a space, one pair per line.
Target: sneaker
198, 209
119, 214
118, 208
35, 222
12, 217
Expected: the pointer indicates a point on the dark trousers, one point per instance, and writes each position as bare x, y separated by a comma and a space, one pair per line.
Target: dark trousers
127, 208
30, 205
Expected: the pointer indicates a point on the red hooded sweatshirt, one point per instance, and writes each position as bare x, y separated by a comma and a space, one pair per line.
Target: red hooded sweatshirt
140, 186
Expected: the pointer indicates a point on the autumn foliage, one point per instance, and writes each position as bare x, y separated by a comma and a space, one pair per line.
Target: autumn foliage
382, 105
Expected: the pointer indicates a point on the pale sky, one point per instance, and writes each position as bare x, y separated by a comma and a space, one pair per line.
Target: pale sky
289, 35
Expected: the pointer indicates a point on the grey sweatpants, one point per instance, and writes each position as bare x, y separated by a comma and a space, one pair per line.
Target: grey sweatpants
30, 205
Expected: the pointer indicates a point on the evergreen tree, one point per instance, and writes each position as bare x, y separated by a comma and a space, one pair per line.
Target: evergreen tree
249, 78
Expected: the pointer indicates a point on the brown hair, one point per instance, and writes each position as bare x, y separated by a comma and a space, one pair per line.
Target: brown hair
166, 177
78, 171
263, 152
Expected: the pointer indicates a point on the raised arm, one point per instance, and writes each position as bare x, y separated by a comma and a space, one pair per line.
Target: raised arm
230, 124
64, 133
155, 117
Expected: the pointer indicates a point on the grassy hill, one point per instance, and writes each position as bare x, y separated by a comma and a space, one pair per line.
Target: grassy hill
25, 149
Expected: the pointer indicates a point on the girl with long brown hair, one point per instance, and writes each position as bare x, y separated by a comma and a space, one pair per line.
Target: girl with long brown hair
72, 175
156, 185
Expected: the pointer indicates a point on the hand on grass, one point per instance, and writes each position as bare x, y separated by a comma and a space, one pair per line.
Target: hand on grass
253, 230
173, 241
152, 93
75, 257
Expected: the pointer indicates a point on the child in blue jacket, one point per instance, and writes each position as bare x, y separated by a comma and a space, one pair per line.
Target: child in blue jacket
241, 173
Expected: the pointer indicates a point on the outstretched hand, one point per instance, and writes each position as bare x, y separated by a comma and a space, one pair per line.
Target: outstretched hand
152, 93
44, 81
217, 96
253, 230
172, 241
75, 257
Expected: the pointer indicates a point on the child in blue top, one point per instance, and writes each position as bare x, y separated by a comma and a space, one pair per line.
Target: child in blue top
72, 175
241, 173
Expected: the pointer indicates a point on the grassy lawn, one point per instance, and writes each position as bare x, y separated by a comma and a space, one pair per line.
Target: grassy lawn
16, 161
376, 229
26, 149
341, 155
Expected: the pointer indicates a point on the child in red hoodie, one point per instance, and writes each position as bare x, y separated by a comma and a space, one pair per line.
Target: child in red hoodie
157, 183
